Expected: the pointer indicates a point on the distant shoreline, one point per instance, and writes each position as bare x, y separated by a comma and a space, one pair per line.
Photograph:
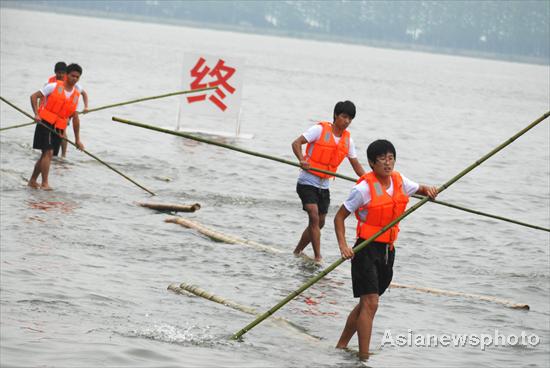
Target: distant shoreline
281, 33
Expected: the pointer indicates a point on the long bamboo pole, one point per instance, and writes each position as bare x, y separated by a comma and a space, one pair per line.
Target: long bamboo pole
16, 126
86, 152
363, 244
147, 99
292, 163
121, 104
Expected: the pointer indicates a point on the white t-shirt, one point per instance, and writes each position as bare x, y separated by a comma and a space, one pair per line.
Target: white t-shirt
311, 135
360, 193
49, 87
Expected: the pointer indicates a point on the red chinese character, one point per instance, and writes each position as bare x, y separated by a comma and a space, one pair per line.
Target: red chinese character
220, 74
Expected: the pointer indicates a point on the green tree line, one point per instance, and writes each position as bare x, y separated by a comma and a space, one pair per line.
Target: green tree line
496, 27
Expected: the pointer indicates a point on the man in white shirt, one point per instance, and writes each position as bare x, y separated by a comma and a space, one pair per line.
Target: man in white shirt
60, 70
327, 145
378, 198
59, 106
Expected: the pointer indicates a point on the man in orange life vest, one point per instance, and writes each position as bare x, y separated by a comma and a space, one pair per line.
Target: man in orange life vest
378, 198
60, 70
61, 100
327, 146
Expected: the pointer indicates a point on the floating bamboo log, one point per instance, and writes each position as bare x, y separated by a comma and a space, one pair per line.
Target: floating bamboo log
184, 289
363, 244
171, 207
506, 303
293, 163
217, 236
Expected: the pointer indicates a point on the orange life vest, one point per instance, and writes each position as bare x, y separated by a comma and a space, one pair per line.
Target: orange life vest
324, 153
382, 209
52, 79
58, 108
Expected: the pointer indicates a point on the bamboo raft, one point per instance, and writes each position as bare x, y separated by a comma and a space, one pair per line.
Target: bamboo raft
220, 237
167, 207
186, 289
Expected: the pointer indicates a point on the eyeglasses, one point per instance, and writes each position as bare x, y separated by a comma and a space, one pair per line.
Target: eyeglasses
383, 159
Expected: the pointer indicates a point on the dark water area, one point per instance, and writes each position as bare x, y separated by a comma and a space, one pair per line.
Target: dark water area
84, 270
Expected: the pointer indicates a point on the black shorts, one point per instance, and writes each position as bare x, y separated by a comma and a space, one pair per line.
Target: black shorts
313, 195
45, 139
371, 269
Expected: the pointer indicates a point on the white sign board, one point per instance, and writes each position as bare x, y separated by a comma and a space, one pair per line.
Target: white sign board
202, 71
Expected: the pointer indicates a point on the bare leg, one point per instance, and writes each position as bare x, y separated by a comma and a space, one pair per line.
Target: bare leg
44, 169
369, 305
64, 145
349, 329
304, 241
312, 233
35, 173
360, 319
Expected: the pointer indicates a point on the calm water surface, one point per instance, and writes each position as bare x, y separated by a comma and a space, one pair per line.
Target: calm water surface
84, 270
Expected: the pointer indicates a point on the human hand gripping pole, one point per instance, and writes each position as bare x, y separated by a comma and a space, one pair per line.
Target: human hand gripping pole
78, 146
363, 244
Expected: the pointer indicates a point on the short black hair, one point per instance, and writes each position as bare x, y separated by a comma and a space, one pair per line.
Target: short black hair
378, 148
60, 67
74, 67
345, 107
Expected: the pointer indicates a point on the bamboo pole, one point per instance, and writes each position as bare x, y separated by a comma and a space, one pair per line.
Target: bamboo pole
16, 126
121, 104
191, 289
171, 207
491, 299
363, 244
86, 152
147, 99
292, 163
217, 236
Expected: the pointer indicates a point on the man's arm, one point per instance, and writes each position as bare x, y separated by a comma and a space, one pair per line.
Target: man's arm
85, 99
76, 130
430, 191
297, 149
357, 167
34, 104
339, 226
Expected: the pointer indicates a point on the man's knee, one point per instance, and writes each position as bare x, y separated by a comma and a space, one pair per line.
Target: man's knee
369, 303
313, 214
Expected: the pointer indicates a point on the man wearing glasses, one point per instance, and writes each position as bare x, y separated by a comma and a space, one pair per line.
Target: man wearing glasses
378, 198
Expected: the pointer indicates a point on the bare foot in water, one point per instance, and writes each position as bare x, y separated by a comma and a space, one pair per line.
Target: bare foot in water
45, 187
33, 184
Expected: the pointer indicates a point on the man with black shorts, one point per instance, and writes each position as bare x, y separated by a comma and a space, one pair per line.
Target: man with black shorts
52, 116
327, 146
378, 198
60, 70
